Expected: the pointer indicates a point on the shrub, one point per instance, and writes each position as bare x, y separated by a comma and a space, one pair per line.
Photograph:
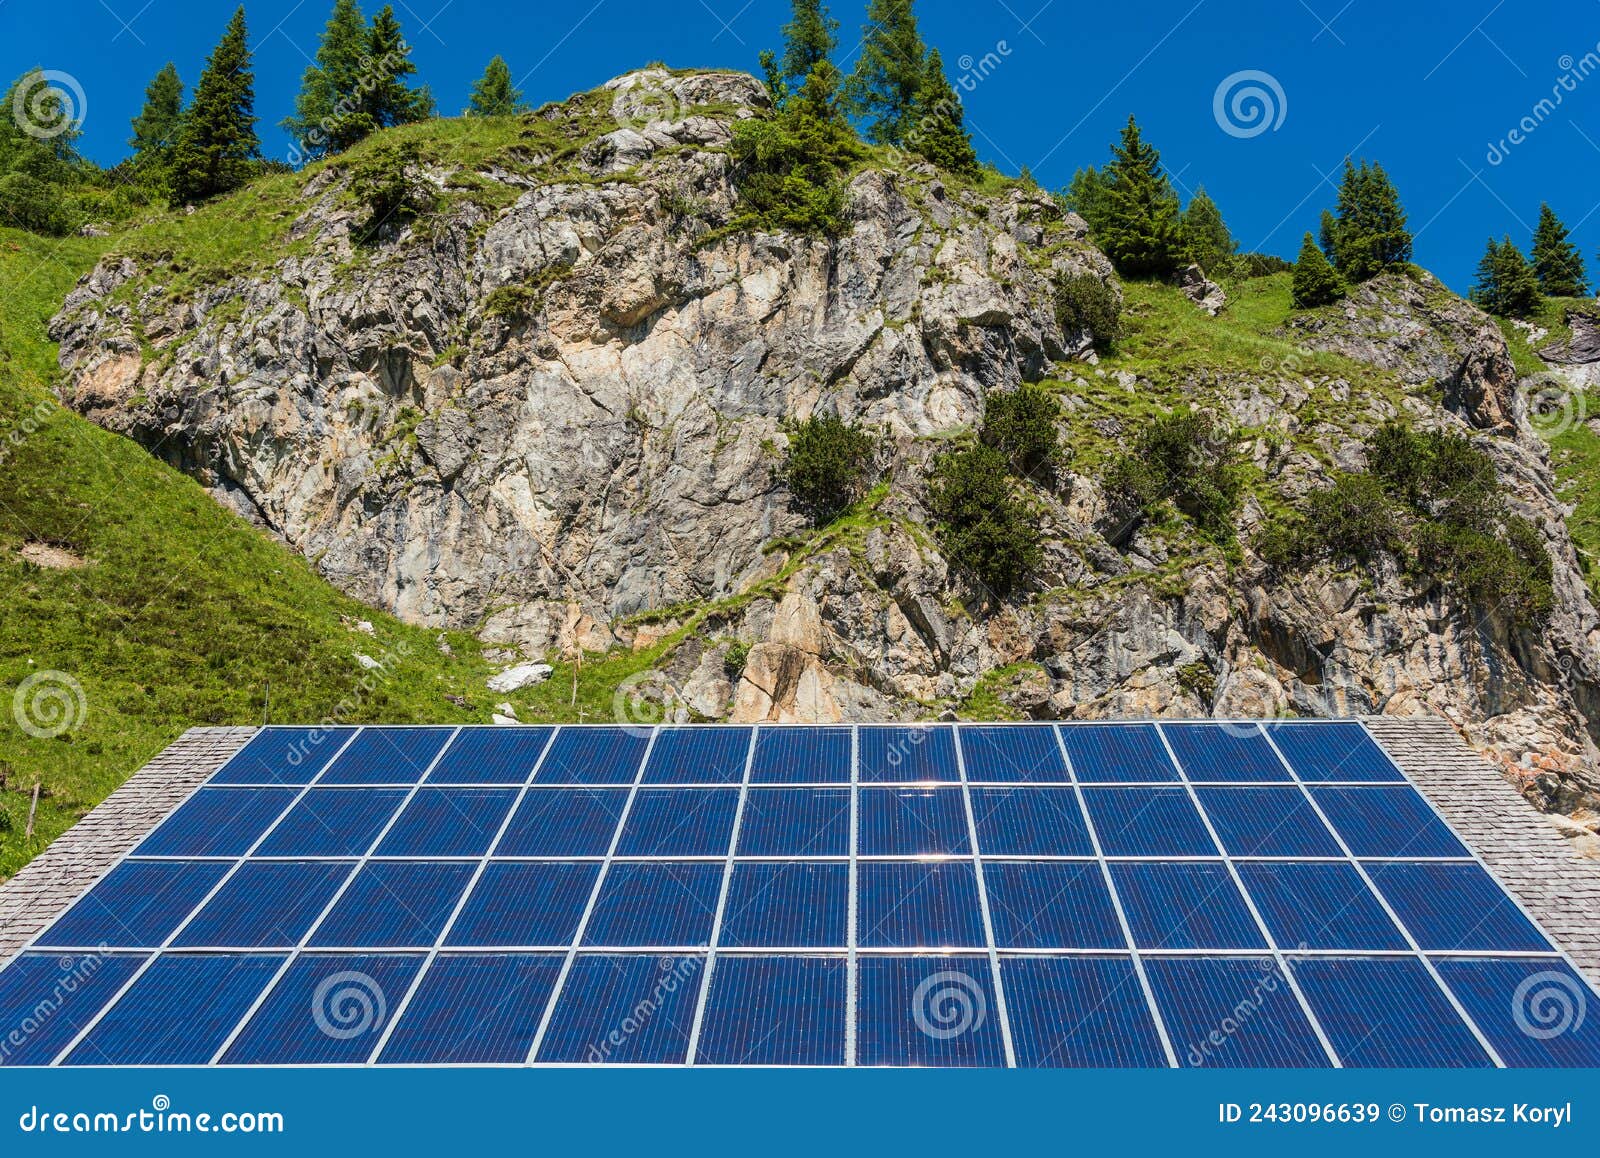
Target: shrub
383, 184
827, 464
1438, 474
1086, 304
1186, 458
29, 203
1316, 282
789, 165
1353, 519
734, 659
982, 524
1021, 424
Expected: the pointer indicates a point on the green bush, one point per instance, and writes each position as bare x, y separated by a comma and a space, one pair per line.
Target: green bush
790, 165
734, 659
1086, 304
827, 465
1021, 424
1185, 458
29, 203
983, 526
383, 184
1316, 282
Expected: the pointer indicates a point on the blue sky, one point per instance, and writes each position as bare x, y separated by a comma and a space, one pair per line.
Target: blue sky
1425, 86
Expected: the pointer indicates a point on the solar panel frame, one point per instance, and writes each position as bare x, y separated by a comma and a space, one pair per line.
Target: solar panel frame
218, 822
500, 755
1387, 1012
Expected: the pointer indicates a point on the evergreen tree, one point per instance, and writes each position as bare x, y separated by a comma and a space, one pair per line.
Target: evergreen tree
890, 71
808, 40
1316, 283
1206, 235
1507, 286
1085, 195
38, 135
1142, 232
1556, 261
217, 143
1369, 233
493, 95
938, 131
328, 117
155, 129
386, 98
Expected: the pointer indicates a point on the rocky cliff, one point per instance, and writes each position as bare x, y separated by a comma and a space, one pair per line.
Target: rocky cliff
550, 410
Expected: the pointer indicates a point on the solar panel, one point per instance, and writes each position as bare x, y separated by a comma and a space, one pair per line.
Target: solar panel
595, 894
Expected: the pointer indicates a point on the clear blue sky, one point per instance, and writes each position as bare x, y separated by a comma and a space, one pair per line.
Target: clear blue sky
1425, 86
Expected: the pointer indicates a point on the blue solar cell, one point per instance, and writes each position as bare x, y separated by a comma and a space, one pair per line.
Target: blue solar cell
1267, 822
1105, 753
1224, 752
179, 1012
333, 822
658, 903
1456, 906
46, 1000
913, 822
1030, 822
394, 905
327, 1009
1148, 822
788, 905
1080, 1012
1184, 905
283, 756
698, 756
680, 822
915, 905
1387, 822
1011, 753
525, 904
265, 905
775, 1011
624, 1009
448, 822
795, 822
1322, 750
927, 1011
564, 822
1225, 1013
137, 905
475, 1009
1319, 906
218, 822
1051, 905
387, 756
801, 756
594, 756
1386, 1012
1536, 1013
907, 754
491, 756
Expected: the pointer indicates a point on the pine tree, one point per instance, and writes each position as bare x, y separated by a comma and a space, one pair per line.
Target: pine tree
938, 131
386, 97
1316, 282
1507, 286
1206, 234
327, 117
155, 129
1369, 233
217, 144
890, 71
1085, 195
1556, 261
1143, 231
493, 95
808, 40
38, 135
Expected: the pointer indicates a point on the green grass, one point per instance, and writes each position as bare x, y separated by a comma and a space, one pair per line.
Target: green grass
184, 613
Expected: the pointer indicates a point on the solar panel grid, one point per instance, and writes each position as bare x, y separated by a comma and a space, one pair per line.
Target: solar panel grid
914, 905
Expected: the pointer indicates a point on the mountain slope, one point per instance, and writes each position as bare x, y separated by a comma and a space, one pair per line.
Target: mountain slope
548, 410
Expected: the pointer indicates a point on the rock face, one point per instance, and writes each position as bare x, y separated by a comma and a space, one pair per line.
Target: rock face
539, 416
